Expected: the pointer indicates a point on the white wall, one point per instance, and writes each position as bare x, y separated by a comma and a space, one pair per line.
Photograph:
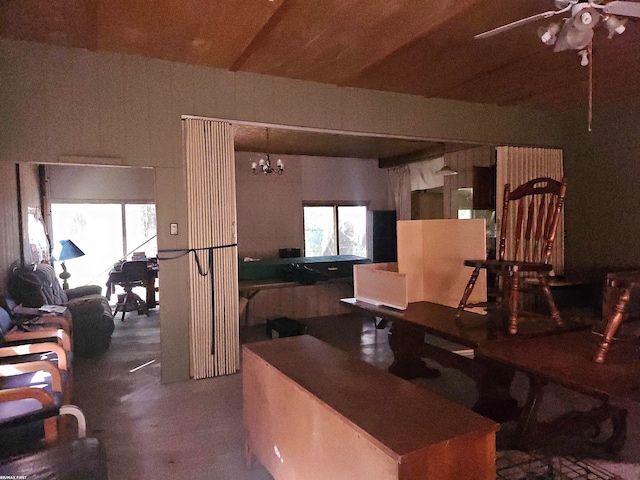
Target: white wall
270, 206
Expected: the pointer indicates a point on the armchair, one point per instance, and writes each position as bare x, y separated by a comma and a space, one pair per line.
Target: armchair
92, 320
35, 384
32, 395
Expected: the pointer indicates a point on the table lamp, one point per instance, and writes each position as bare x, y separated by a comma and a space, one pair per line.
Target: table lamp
69, 250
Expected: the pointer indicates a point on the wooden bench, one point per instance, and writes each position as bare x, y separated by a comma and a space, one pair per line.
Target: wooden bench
315, 412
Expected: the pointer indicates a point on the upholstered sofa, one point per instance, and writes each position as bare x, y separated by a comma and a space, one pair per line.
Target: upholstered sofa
93, 324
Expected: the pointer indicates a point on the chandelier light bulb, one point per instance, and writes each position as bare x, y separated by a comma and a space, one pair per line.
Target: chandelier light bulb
614, 25
265, 164
584, 60
548, 35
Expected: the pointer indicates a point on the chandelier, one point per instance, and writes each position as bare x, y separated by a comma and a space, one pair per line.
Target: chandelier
264, 165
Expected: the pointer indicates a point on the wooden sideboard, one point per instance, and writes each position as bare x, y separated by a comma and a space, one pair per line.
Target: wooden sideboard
315, 412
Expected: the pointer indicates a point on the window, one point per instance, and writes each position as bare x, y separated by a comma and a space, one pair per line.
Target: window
140, 228
105, 232
335, 229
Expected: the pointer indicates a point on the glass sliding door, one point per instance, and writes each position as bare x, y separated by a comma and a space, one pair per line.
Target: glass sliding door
105, 232
140, 228
97, 230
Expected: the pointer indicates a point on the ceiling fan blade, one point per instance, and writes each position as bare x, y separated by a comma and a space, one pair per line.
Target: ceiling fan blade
523, 21
625, 9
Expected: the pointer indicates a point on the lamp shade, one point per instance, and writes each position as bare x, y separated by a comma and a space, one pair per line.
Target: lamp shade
69, 250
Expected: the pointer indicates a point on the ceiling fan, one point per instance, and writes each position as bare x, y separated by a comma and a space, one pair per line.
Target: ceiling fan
576, 32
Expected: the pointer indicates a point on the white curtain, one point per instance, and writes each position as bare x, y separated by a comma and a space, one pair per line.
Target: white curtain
424, 174
211, 202
400, 183
517, 165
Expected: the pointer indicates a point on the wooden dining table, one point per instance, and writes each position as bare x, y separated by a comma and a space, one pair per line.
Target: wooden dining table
479, 346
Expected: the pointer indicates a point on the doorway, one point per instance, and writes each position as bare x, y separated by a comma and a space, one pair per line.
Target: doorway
109, 214
427, 204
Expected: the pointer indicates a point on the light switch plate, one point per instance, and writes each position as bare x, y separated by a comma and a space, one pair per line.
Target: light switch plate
173, 228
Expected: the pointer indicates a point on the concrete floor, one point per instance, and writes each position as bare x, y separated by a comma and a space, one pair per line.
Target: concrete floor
186, 429
193, 429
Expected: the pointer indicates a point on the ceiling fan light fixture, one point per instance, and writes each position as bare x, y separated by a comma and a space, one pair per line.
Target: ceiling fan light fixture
584, 57
548, 35
614, 25
576, 39
586, 19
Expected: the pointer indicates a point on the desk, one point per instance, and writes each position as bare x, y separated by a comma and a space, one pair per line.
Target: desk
116, 276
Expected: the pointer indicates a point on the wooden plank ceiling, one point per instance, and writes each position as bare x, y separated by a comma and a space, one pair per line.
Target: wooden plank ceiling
419, 47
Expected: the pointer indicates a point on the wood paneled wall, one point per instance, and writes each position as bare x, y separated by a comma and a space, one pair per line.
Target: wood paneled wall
30, 194
9, 237
10, 215
463, 161
304, 301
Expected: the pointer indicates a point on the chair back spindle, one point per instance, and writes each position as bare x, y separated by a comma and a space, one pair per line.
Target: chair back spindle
531, 235
530, 217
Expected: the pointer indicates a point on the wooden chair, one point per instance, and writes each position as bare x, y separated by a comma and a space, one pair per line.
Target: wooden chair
615, 308
133, 274
525, 247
